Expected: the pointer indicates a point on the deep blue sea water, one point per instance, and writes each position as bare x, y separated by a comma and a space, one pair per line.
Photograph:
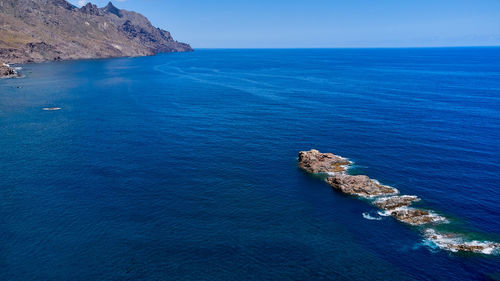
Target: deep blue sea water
183, 166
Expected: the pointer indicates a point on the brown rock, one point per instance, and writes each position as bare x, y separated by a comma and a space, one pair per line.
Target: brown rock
47, 30
454, 243
315, 162
359, 185
7, 71
416, 216
393, 202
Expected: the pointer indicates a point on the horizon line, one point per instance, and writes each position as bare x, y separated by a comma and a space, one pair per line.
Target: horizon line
382, 47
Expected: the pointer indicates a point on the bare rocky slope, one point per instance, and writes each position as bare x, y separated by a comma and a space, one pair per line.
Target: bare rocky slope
46, 30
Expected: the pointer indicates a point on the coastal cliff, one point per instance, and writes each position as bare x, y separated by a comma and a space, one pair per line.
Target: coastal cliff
47, 30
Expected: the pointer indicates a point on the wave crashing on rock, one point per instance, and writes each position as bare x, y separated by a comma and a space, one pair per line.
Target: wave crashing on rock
6, 71
416, 216
454, 243
394, 202
359, 185
386, 198
367, 216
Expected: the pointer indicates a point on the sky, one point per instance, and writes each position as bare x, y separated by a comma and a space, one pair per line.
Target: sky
322, 23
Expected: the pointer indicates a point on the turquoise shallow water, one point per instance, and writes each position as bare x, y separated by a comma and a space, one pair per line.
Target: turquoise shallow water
183, 166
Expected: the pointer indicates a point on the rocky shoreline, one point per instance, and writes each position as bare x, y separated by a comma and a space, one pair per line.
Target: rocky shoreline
7, 72
387, 199
54, 30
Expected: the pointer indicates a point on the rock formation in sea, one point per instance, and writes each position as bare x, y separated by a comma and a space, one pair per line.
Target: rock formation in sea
416, 216
7, 72
454, 242
45, 30
394, 202
385, 198
359, 185
315, 162
397, 206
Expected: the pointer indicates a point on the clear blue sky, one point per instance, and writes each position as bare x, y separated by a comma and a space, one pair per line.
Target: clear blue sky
323, 23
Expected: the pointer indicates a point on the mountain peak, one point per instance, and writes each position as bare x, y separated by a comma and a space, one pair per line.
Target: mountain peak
90, 9
110, 8
64, 31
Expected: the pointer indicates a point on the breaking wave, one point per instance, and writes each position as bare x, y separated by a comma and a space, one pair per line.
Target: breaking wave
454, 243
367, 216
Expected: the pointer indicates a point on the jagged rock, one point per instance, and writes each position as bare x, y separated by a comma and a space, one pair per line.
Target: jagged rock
359, 185
41, 51
64, 4
393, 202
45, 30
90, 9
7, 72
455, 243
416, 216
315, 162
110, 8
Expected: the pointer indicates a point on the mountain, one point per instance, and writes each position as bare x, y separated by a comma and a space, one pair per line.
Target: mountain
44, 30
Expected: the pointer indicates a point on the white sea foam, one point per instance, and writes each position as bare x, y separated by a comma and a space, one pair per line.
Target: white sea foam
435, 217
411, 197
367, 216
395, 190
384, 213
454, 243
334, 173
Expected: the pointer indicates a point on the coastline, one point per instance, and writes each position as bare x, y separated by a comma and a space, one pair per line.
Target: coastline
73, 58
6, 71
68, 32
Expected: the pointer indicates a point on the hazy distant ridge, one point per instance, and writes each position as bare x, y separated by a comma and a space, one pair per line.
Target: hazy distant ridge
41, 30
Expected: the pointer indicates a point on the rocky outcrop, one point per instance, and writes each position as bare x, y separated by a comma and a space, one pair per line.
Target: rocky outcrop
45, 30
111, 9
416, 216
394, 202
359, 185
7, 72
397, 206
455, 243
90, 9
315, 162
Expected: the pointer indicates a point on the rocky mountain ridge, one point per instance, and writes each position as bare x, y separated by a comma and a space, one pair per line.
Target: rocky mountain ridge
46, 30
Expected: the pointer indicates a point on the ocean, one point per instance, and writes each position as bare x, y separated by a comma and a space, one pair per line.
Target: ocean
184, 166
